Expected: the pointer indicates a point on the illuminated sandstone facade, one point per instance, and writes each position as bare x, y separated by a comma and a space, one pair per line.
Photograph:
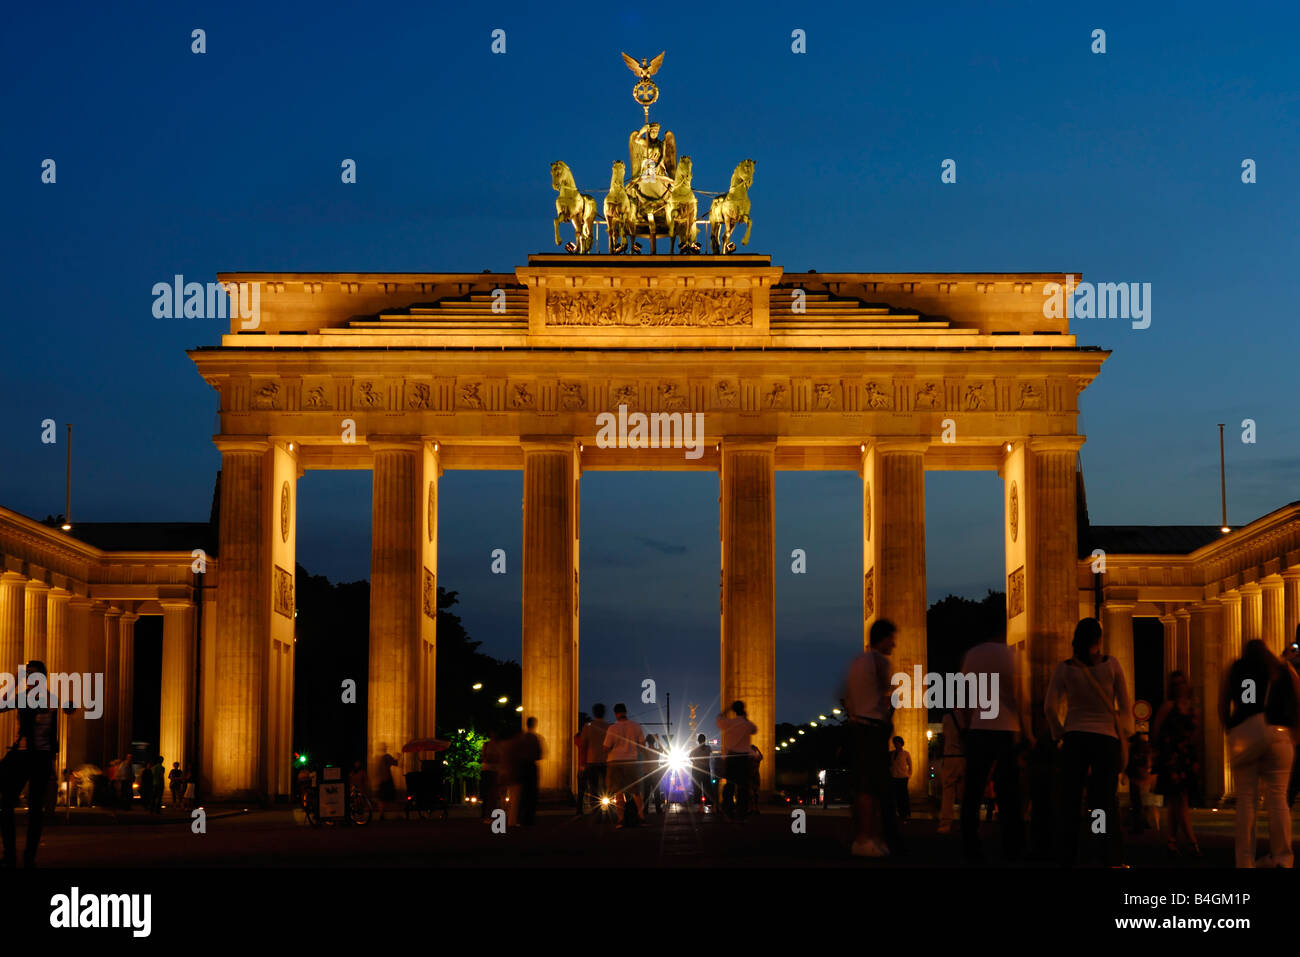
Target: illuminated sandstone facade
408, 375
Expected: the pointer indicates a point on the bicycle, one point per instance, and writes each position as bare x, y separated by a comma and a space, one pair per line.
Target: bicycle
311, 805
360, 808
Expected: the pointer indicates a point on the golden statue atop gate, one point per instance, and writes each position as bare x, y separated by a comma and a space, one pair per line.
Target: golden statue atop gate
658, 199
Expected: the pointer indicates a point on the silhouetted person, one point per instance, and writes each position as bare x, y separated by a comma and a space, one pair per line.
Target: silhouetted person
591, 744
700, 775
735, 745
489, 786
952, 770
159, 785
527, 752
1093, 736
146, 786
651, 776
176, 782
993, 739
623, 742
866, 699
1260, 706
1177, 763
900, 772
30, 764
1292, 657
387, 789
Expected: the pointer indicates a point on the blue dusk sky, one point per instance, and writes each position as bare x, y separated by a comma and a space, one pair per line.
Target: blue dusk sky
1122, 166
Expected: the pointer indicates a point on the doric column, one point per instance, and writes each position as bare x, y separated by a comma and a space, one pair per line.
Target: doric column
176, 708
894, 566
403, 596
1291, 601
36, 602
1170, 660
1051, 586
1273, 612
57, 655
126, 680
550, 604
1231, 604
1252, 611
1182, 654
1117, 637
76, 746
243, 618
1206, 651
114, 746
747, 526
97, 743
12, 601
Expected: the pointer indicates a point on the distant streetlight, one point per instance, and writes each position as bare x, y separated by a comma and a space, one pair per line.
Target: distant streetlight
520, 709
477, 686
503, 700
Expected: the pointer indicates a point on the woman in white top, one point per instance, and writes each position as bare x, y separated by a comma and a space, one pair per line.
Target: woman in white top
1087, 707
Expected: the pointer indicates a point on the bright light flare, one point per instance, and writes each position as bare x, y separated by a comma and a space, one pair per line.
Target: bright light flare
677, 759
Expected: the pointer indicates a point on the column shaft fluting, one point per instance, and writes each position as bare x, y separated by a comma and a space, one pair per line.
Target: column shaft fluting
1117, 638
899, 582
241, 639
1273, 610
395, 600
748, 512
114, 746
126, 680
36, 610
97, 743
1051, 588
550, 585
12, 614
175, 712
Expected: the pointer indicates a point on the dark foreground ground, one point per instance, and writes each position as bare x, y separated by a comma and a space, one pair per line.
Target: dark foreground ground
682, 877
679, 838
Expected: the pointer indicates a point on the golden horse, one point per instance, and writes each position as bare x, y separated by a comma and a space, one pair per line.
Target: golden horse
573, 207
620, 213
683, 207
729, 211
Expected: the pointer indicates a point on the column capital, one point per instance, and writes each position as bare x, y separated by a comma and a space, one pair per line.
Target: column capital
1291, 574
394, 443
1117, 606
175, 604
1055, 443
748, 443
1182, 613
80, 601
1230, 597
548, 443
241, 443
1272, 583
885, 446
37, 585
1251, 588
1169, 619
13, 578
130, 617
112, 611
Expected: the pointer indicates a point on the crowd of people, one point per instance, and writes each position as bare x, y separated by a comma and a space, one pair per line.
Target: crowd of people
619, 764
1059, 771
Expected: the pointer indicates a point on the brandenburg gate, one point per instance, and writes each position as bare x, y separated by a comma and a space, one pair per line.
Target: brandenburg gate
409, 375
